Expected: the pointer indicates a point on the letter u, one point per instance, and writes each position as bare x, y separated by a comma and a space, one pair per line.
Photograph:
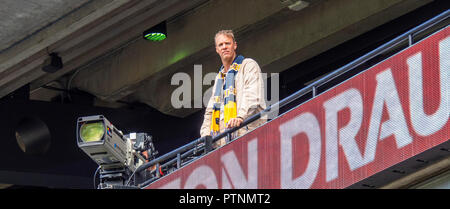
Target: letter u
422, 123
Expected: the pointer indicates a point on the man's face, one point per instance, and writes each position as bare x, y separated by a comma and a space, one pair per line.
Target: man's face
225, 47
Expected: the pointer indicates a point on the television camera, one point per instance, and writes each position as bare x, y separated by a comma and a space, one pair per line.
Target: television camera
117, 155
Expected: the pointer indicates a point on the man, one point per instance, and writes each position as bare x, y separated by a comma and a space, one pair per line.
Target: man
238, 91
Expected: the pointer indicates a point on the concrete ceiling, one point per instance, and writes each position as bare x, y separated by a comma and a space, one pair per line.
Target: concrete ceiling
22, 19
78, 35
103, 52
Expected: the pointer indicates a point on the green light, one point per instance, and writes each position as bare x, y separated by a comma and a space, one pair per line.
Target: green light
155, 36
179, 55
92, 131
156, 33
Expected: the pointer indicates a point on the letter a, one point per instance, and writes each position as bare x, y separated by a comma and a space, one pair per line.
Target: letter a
386, 92
184, 90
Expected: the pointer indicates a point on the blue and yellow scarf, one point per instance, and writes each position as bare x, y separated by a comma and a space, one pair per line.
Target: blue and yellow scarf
226, 91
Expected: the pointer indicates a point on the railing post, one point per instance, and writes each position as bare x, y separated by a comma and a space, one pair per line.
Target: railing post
178, 160
157, 171
208, 144
410, 39
314, 91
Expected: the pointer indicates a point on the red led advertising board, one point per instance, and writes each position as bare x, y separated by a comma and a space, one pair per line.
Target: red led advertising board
378, 118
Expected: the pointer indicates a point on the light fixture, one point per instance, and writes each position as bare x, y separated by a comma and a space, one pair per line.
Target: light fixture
295, 5
90, 132
156, 33
52, 63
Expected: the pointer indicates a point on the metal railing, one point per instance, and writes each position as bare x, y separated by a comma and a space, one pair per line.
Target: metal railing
197, 148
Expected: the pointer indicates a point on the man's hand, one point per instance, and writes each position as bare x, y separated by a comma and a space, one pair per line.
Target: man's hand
234, 122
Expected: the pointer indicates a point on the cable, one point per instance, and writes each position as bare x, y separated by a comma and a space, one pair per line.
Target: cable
129, 179
95, 174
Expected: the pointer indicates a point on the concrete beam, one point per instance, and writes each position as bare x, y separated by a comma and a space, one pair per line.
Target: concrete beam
28, 56
83, 38
125, 31
56, 32
187, 36
276, 37
421, 175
